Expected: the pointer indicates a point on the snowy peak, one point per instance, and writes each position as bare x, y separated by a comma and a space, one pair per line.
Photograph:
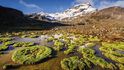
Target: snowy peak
77, 10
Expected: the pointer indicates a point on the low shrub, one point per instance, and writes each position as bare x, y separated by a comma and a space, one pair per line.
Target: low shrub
120, 66
5, 39
58, 45
117, 57
109, 50
23, 44
3, 47
72, 63
31, 55
8, 43
24, 36
80, 41
50, 39
70, 49
89, 54
33, 36
93, 38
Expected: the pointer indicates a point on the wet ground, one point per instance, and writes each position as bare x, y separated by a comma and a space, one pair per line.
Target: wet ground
50, 64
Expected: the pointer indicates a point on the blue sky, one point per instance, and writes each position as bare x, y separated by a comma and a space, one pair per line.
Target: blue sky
52, 6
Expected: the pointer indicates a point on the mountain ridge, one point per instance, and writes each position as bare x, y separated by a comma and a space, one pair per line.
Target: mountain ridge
80, 9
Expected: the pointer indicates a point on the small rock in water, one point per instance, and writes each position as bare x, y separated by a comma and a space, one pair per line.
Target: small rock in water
0, 42
57, 35
42, 37
10, 47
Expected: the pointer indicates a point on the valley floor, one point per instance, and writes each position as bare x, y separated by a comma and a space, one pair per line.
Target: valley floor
112, 34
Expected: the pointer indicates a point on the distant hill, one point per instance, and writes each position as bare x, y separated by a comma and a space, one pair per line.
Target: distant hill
12, 18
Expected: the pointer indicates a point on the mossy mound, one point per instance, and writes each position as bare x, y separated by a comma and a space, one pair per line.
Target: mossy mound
23, 44
74, 63
89, 54
111, 50
3, 47
31, 55
5, 39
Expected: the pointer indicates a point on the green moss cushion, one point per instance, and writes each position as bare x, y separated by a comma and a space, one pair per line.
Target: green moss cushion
3, 47
72, 63
31, 55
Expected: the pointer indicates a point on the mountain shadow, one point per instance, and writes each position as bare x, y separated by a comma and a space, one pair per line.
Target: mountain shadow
12, 19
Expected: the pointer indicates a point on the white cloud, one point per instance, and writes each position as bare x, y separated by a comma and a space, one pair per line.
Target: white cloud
84, 1
105, 4
29, 5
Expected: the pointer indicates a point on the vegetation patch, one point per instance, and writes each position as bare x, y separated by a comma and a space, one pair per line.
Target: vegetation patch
8, 43
110, 51
3, 47
58, 45
120, 66
90, 45
50, 39
5, 39
70, 49
74, 63
33, 36
23, 44
93, 38
31, 55
89, 54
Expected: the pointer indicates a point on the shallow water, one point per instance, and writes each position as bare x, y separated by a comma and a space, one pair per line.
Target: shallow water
17, 39
51, 64
38, 41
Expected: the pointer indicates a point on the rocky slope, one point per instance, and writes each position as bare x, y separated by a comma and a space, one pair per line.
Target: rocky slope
107, 23
105, 15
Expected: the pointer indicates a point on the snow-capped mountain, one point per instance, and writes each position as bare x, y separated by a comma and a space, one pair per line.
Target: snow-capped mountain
77, 10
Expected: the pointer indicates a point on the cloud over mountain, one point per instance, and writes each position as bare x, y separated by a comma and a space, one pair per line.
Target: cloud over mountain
103, 3
29, 5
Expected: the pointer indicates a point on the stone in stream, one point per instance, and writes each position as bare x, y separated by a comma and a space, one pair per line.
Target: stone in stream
10, 47
43, 37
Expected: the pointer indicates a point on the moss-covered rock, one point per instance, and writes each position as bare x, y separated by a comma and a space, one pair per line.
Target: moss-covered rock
5, 39
110, 51
3, 47
31, 55
72, 63
23, 44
